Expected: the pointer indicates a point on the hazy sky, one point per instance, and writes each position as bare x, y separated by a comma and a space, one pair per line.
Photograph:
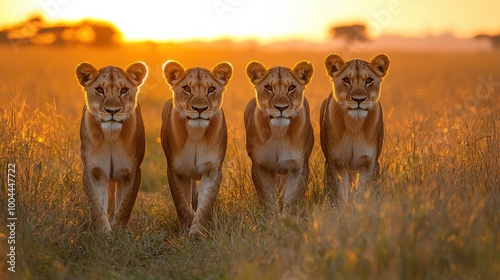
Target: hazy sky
265, 19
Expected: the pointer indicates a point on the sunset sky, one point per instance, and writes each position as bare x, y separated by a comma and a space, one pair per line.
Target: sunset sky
264, 20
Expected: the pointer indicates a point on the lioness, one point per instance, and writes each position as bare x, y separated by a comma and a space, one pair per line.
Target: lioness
113, 142
279, 135
351, 123
194, 139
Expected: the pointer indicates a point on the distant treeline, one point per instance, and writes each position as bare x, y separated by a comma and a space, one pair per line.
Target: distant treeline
494, 39
359, 33
90, 33
37, 31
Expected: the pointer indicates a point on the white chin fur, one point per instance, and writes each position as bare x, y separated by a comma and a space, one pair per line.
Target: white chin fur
111, 126
198, 123
358, 113
280, 122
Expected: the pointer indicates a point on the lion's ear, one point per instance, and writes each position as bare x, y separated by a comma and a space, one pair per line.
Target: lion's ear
223, 72
137, 73
380, 64
173, 72
256, 72
334, 64
304, 71
86, 73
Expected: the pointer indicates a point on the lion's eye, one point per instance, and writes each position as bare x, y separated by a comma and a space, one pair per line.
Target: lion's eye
268, 88
186, 89
291, 88
211, 90
99, 90
124, 91
369, 81
346, 80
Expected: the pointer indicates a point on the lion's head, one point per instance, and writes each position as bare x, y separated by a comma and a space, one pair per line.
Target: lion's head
111, 93
357, 82
197, 92
279, 90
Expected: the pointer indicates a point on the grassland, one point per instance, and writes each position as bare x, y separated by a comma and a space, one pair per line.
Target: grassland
434, 214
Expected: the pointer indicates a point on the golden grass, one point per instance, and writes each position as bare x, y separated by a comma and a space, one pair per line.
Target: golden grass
434, 213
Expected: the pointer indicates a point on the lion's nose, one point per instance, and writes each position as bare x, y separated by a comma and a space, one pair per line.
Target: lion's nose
112, 111
281, 108
199, 109
358, 100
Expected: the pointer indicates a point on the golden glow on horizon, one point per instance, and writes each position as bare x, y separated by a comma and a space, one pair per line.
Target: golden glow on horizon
265, 20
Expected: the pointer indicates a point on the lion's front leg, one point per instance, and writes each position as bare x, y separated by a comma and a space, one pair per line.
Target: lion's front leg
336, 182
180, 187
209, 188
194, 195
331, 182
126, 194
295, 188
368, 176
265, 183
96, 190
111, 200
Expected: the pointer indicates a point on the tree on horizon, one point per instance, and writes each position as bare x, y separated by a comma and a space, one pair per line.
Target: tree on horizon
349, 33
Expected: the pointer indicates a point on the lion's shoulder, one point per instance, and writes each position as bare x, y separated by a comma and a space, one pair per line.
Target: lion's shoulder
167, 107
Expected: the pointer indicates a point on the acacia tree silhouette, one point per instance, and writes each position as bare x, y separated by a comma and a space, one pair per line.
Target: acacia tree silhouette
350, 33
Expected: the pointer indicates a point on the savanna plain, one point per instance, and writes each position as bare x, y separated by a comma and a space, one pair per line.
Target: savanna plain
434, 213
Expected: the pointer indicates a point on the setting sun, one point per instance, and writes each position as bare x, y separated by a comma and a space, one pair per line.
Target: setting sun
264, 20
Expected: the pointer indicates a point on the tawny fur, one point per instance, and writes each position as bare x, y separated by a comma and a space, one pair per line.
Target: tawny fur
112, 141
194, 140
352, 125
279, 135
